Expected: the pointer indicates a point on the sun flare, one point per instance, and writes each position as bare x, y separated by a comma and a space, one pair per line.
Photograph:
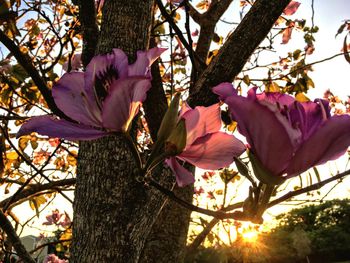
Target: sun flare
250, 236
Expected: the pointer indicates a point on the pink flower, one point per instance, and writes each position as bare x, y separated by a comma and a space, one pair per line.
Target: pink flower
53, 218
76, 63
5, 66
102, 100
291, 8
287, 33
286, 136
175, 2
99, 5
52, 258
206, 146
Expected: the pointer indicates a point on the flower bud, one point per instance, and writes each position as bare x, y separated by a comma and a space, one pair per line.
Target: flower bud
177, 139
169, 120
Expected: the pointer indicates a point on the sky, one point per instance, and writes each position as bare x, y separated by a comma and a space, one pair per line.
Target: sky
333, 74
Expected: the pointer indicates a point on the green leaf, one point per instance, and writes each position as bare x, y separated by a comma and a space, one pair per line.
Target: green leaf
19, 72
176, 142
169, 120
341, 29
262, 174
296, 54
34, 205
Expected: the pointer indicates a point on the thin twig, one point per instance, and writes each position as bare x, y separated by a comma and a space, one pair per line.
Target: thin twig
220, 214
33, 189
178, 33
308, 189
6, 225
28, 66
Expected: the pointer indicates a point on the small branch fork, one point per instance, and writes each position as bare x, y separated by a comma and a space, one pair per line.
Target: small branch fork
239, 215
14, 239
178, 32
27, 64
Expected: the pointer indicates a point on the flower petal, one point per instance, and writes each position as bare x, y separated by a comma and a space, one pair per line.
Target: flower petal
76, 63
201, 121
102, 69
184, 108
70, 97
213, 151
287, 34
291, 8
271, 97
258, 122
123, 101
328, 143
309, 116
52, 127
183, 176
144, 61
224, 90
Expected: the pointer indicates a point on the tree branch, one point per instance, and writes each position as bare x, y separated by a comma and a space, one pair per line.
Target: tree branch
202, 235
6, 225
310, 188
237, 49
178, 32
37, 188
196, 16
156, 104
26, 63
219, 214
90, 32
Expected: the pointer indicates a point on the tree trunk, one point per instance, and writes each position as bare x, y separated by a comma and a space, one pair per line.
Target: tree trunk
113, 212
167, 240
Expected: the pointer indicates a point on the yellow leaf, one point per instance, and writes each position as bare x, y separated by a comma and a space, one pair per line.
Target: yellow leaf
12, 156
272, 87
203, 5
219, 192
177, 16
40, 200
211, 55
23, 142
301, 97
246, 80
232, 126
71, 160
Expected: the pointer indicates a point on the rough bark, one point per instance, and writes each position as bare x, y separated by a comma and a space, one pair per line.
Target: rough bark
238, 48
167, 240
113, 211
156, 104
87, 17
168, 236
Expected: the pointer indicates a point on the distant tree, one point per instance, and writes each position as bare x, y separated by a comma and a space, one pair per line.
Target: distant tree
326, 226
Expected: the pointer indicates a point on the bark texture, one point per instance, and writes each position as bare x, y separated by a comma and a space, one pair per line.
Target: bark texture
168, 236
113, 211
167, 240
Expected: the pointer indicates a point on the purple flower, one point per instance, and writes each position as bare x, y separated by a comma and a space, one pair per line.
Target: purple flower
52, 258
206, 146
102, 100
286, 136
76, 63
